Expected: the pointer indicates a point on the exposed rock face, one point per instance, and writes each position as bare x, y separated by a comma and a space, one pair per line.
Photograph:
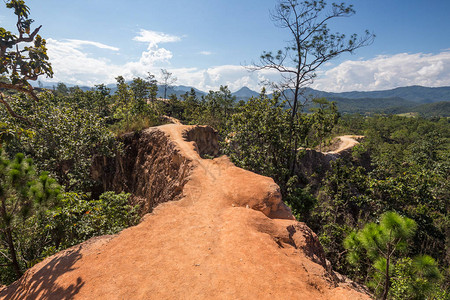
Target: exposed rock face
314, 164
205, 140
229, 235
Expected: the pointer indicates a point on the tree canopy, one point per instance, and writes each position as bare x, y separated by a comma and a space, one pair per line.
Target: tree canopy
23, 56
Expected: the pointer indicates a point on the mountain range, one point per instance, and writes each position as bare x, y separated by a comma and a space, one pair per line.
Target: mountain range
428, 101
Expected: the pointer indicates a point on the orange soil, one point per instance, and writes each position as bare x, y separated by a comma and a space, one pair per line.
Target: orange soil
346, 142
210, 244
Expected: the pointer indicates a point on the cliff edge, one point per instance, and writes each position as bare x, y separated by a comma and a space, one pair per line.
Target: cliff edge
228, 235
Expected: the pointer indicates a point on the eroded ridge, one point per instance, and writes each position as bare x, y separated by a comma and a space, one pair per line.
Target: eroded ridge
229, 236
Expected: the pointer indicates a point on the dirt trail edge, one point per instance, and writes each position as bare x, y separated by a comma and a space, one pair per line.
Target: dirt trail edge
346, 142
228, 237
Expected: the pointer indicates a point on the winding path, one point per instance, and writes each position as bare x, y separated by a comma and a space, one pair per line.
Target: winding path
229, 237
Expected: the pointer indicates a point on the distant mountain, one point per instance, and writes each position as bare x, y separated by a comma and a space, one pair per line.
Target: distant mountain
51, 85
371, 105
436, 109
244, 94
395, 101
184, 89
414, 93
426, 101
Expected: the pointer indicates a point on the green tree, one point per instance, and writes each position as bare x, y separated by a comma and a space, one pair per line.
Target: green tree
141, 92
61, 89
218, 107
102, 100
124, 99
417, 279
23, 56
79, 218
153, 87
344, 201
22, 194
258, 135
64, 138
326, 117
214, 109
192, 106
381, 243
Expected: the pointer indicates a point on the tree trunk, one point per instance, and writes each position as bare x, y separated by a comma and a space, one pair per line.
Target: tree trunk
293, 151
9, 241
387, 278
12, 251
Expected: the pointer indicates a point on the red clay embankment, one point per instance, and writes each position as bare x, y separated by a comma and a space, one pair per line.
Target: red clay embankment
229, 236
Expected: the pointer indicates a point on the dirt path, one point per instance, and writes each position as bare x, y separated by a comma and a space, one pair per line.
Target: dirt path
346, 142
209, 245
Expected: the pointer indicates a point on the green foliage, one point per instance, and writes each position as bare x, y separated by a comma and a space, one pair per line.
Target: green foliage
175, 108
131, 105
215, 109
65, 139
299, 200
380, 240
23, 194
32, 61
343, 202
123, 100
23, 56
78, 218
382, 243
259, 132
10, 131
73, 220
406, 169
417, 278
261, 139
325, 117
192, 106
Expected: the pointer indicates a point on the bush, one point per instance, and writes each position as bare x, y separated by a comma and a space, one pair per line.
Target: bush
78, 219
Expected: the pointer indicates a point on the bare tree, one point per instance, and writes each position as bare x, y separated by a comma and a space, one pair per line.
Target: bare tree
167, 80
312, 44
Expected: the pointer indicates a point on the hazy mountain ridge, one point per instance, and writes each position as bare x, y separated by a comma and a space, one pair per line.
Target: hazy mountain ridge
418, 99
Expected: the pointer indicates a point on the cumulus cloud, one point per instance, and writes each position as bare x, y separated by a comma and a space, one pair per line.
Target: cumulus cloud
387, 72
70, 64
233, 76
73, 65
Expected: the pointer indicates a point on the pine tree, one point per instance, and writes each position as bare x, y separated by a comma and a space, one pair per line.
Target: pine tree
381, 243
22, 193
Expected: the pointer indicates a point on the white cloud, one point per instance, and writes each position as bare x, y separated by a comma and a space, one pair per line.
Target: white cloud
205, 53
387, 72
233, 76
154, 38
155, 54
79, 43
73, 65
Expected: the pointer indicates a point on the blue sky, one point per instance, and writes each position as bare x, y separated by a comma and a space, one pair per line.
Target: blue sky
206, 43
